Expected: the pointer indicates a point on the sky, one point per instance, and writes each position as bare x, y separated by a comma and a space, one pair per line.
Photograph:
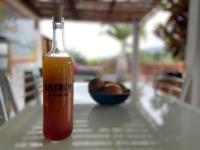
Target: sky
90, 40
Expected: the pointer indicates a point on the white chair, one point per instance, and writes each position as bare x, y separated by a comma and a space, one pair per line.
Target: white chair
6, 97
169, 85
31, 90
3, 113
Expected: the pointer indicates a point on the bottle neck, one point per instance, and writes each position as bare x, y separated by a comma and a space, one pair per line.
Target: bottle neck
58, 43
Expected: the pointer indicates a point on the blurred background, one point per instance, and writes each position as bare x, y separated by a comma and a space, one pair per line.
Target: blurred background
127, 41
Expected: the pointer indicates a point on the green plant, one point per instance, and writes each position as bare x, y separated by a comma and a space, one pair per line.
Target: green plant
78, 57
94, 62
174, 32
120, 32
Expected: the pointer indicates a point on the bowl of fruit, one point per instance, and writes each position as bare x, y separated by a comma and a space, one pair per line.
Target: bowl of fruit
107, 92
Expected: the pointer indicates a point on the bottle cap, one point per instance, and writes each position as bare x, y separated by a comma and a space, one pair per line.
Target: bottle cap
58, 23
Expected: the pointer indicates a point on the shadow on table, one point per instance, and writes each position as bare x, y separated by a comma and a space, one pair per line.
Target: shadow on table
112, 127
97, 128
107, 117
34, 139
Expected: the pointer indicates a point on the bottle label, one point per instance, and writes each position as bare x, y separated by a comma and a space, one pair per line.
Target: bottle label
58, 89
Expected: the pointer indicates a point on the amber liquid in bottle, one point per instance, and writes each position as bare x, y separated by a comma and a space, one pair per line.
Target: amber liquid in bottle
58, 89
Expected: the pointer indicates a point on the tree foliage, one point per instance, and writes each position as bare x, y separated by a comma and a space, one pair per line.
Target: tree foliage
174, 32
120, 32
78, 57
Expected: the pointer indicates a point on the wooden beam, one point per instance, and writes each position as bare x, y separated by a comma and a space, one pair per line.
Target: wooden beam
102, 16
72, 8
95, 13
31, 6
112, 4
21, 8
49, 11
99, 5
45, 5
119, 11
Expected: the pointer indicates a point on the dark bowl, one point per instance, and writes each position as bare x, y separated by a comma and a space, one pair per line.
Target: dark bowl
109, 99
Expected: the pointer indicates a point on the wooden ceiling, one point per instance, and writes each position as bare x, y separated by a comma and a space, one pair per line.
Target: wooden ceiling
94, 10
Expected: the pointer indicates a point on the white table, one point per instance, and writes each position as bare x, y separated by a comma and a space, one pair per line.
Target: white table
148, 123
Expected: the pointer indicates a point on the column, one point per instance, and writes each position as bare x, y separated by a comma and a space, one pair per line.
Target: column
193, 51
135, 56
39, 46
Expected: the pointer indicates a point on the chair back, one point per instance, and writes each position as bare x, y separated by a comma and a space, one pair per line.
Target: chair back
169, 85
3, 111
31, 91
8, 102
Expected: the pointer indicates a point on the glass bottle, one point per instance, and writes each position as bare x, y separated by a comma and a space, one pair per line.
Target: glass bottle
58, 88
